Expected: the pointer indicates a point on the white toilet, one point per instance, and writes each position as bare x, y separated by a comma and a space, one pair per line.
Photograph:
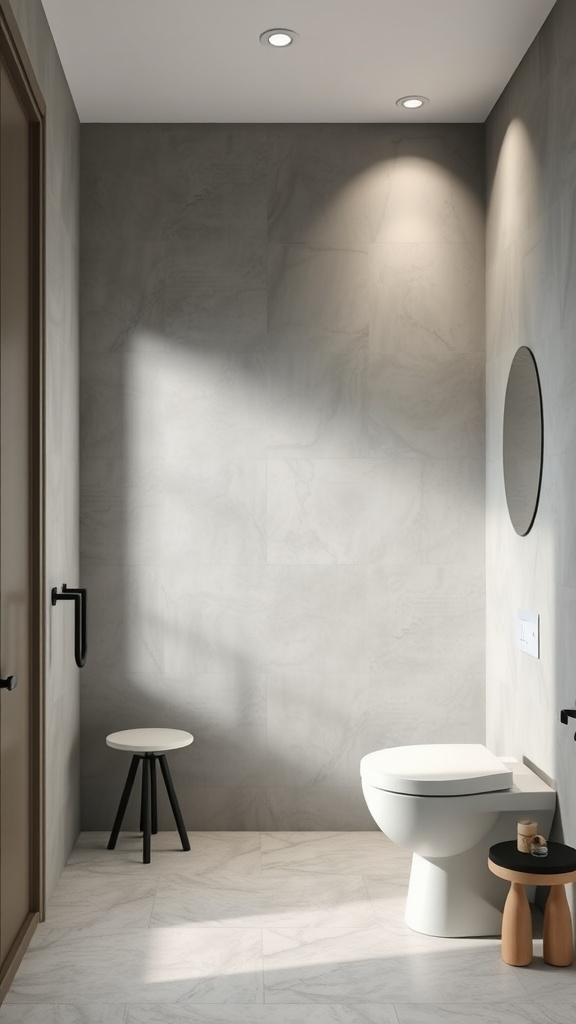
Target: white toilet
449, 803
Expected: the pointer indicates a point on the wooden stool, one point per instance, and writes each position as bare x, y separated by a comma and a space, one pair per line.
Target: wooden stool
148, 746
521, 869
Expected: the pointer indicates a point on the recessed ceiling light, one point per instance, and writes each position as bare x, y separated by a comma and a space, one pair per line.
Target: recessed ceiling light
412, 102
278, 37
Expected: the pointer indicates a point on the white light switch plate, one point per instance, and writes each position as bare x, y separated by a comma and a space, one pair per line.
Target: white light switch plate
528, 632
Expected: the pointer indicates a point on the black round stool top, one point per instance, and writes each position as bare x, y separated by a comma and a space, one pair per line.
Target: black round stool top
561, 859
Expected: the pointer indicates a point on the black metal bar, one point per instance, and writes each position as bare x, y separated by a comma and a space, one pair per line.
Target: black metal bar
124, 800
145, 807
567, 713
144, 756
153, 792
80, 623
78, 595
174, 802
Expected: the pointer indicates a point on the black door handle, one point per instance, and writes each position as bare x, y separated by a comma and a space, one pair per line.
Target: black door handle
78, 595
10, 683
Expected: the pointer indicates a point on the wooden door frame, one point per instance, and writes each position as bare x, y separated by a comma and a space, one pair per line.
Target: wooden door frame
20, 69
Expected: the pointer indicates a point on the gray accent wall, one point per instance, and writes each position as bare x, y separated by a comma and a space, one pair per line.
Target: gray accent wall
62, 512
282, 457
531, 300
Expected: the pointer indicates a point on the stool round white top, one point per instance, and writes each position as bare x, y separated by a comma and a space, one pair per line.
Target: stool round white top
149, 741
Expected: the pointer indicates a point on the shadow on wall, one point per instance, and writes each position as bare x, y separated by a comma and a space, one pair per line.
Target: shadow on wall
282, 457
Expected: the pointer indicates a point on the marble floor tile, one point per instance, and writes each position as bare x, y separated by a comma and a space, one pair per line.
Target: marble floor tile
80, 901
547, 984
210, 853
349, 966
261, 1014
273, 928
463, 1013
558, 1013
64, 1013
366, 853
263, 902
145, 965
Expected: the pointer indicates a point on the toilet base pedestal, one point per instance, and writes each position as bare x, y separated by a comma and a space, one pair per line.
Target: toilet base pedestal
454, 896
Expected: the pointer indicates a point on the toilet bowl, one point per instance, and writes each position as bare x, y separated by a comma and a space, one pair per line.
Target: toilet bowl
448, 804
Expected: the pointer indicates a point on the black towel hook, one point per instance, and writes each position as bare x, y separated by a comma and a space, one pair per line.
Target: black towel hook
78, 595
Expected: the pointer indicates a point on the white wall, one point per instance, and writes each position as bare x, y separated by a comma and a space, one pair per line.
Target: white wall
282, 456
531, 300
62, 514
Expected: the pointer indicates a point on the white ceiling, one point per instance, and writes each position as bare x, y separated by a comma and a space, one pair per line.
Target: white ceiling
201, 60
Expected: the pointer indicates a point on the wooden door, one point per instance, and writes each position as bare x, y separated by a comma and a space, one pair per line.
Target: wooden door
21, 640
15, 769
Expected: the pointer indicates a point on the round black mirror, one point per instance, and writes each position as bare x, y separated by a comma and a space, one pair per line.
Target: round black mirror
522, 448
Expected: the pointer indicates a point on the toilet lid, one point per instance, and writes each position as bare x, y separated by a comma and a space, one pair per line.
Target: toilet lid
436, 769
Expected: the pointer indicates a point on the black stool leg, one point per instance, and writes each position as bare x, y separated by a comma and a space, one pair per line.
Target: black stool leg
124, 801
153, 794
173, 802
142, 802
145, 807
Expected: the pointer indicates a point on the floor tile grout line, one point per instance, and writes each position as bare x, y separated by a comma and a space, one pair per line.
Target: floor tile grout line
370, 901
153, 907
263, 965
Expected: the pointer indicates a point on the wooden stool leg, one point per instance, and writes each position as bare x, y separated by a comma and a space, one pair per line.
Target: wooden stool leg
517, 927
558, 944
123, 801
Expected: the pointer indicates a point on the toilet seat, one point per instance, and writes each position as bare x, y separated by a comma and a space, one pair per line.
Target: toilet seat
436, 769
